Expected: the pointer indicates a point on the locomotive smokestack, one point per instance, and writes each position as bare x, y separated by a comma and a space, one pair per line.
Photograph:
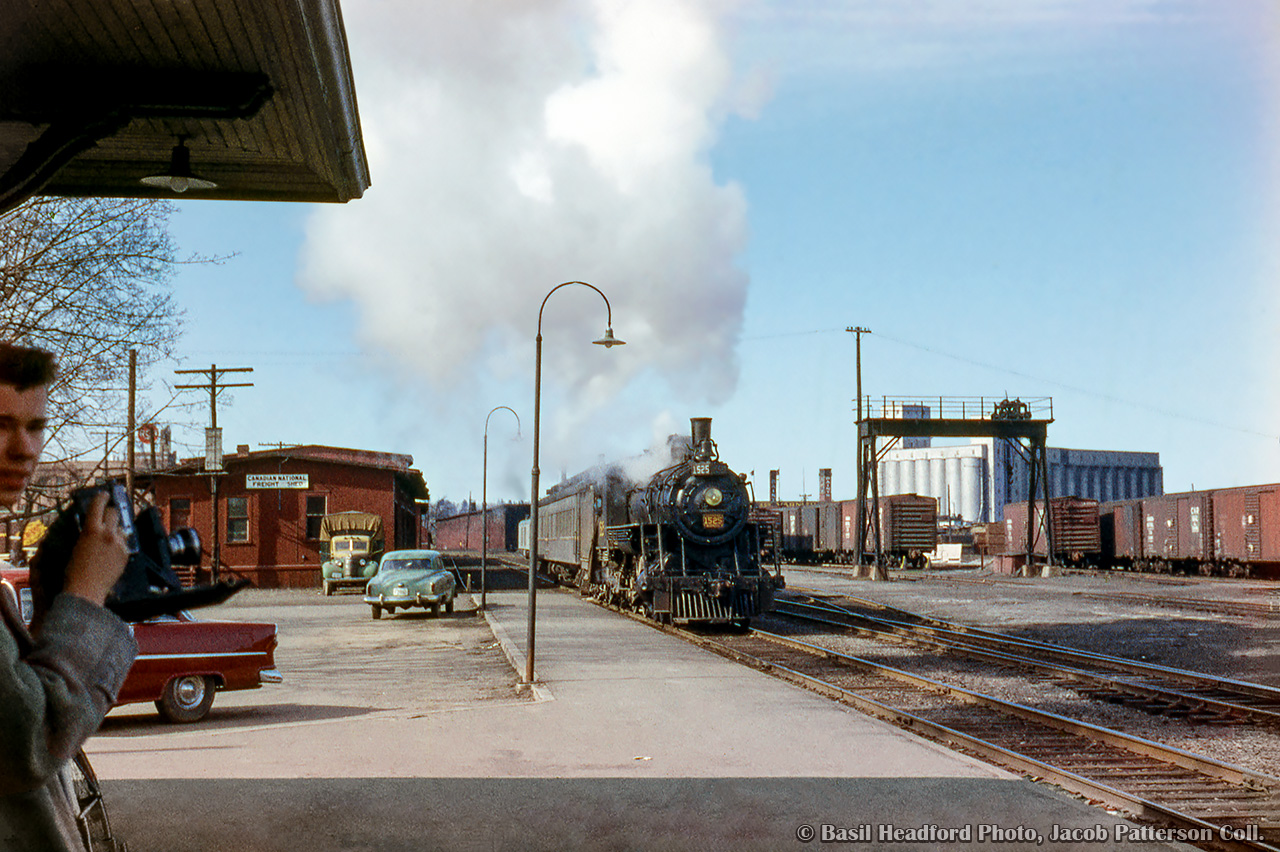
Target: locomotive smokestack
703, 448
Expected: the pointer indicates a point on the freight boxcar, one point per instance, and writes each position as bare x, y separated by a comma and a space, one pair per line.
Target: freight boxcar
1246, 531
1073, 522
908, 528
1176, 531
826, 531
1230, 532
1120, 528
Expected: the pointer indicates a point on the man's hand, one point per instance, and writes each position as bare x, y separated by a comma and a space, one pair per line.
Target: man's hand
100, 554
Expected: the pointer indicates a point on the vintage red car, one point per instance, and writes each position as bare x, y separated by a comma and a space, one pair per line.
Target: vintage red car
182, 660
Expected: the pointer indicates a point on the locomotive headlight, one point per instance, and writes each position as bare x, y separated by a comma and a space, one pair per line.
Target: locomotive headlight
712, 497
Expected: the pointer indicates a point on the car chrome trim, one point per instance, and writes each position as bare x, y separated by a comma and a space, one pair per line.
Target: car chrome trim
270, 676
201, 655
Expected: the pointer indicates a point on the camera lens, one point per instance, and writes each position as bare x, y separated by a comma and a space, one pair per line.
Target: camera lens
184, 547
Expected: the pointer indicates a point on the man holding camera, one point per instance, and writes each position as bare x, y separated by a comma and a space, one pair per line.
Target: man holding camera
58, 681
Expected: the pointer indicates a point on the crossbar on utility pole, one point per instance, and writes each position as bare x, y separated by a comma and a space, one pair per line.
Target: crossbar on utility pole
213, 387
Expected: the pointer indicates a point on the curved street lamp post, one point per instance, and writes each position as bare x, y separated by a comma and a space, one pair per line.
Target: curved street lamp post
607, 341
484, 504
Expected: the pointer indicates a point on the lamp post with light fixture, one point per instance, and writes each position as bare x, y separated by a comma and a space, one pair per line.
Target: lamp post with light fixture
484, 503
607, 341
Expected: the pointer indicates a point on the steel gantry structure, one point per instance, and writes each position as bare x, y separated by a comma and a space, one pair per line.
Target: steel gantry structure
950, 417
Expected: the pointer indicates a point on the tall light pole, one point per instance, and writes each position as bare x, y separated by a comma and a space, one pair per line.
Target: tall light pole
484, 504
607, 341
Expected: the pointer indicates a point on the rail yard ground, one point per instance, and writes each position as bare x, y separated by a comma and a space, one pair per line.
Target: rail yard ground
412, 732
1183, 621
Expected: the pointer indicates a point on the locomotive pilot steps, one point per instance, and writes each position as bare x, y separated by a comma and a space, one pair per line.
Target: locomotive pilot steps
678, 545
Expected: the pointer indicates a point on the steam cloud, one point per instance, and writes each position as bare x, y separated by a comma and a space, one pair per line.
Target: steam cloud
515, 145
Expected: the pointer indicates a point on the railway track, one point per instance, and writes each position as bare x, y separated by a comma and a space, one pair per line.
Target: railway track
1180, 693
1218, 805
1269, 608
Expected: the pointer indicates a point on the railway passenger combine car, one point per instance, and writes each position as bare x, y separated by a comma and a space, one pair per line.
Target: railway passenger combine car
680, 545
1228, 532
826, 531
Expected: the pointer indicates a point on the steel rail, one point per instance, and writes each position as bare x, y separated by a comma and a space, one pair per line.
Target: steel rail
1271, 609
1108, 674
1252, 783
916, 622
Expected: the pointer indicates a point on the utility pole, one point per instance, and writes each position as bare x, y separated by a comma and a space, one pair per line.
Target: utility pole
133, 426
213, 444
858, 331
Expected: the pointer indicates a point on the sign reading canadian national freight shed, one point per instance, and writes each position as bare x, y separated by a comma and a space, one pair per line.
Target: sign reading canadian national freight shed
277, 480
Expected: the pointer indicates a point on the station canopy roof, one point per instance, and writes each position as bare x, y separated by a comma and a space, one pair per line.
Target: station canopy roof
96, 94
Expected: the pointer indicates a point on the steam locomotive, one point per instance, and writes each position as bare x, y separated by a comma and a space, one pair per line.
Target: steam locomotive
679, 545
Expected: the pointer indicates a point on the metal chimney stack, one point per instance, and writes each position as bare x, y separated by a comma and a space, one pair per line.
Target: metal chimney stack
703, 448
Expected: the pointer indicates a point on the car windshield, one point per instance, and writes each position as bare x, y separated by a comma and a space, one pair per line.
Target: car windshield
421, 564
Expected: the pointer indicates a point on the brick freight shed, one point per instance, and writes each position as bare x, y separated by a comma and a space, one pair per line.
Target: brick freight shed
271, 502
463, 532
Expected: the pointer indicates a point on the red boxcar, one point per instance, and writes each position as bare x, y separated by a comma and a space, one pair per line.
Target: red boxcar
1177, 528
1074, 522
1246, 529
1120, 527
1224, 531
908, 526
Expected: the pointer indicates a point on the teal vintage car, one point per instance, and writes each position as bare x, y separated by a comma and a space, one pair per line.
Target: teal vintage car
409, 578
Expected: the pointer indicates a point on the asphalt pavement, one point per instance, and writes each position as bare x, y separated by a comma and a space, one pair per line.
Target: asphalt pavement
413, 733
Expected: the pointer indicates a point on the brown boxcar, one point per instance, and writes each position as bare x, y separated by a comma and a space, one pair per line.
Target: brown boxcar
1120, 528
908, 526
1074, 522
1223, 532
826, 530
1246, 530
1176, 529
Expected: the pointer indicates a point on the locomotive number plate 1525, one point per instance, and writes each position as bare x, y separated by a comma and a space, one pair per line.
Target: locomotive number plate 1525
713, 521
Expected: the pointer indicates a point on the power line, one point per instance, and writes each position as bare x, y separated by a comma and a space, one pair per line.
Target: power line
1163, 412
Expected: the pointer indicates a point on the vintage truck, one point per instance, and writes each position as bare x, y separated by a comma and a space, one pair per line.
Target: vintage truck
355, 542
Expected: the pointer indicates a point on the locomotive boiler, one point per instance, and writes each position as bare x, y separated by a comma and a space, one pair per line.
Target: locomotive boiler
679, 545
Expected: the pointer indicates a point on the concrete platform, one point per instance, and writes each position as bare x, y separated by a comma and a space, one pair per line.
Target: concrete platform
636, 741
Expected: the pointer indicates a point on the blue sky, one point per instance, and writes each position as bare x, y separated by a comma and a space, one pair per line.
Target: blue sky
1029, 197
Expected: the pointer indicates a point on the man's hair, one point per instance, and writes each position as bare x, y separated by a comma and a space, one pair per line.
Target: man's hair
26, 367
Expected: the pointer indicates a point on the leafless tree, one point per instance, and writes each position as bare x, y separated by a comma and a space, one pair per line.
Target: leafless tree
88, 279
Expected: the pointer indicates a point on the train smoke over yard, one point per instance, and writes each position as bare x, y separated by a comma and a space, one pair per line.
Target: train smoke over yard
516, 145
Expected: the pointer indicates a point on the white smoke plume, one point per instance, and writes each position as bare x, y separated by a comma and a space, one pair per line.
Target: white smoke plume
516, 145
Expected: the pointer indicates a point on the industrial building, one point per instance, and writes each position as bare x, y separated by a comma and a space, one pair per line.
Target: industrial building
974, 481
270, 504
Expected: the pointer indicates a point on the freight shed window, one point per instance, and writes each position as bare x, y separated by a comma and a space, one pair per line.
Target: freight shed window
237, 519
179, 512
315, 514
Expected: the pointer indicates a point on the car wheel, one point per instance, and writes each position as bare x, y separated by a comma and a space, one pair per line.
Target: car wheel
377, 610
328, 590
186, 699
435, 609
448, 605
